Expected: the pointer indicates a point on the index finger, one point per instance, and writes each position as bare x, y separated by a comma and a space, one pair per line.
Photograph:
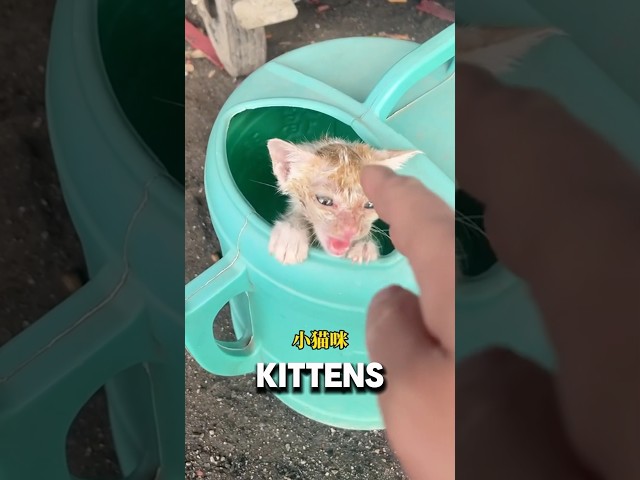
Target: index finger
422, 228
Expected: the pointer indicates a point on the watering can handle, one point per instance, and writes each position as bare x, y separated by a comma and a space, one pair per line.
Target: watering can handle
49, 370
409, 70
204, 298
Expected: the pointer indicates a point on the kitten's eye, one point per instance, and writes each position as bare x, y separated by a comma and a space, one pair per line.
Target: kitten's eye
326, 201
368, 205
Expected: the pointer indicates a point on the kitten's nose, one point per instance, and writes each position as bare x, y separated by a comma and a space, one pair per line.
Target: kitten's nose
346, 225
348, 232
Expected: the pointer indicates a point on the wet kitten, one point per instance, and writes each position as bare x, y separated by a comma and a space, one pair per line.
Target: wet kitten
326, 201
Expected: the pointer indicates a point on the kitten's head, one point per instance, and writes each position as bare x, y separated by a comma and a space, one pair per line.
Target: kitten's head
322, 181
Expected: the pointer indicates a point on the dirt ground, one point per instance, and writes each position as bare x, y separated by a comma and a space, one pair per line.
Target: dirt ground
231, 432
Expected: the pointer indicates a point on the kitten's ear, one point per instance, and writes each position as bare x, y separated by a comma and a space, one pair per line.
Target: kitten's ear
394, 159
283, 156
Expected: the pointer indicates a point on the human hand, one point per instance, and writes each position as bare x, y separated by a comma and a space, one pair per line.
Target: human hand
568, 227
508, 423
414, 337
561, 210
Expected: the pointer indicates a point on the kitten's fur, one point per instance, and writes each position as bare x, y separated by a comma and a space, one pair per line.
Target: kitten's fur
326, 201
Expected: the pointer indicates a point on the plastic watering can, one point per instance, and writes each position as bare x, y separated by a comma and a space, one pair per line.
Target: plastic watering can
388, 93
121, 176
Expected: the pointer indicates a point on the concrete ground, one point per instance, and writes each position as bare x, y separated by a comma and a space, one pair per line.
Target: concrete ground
232, 432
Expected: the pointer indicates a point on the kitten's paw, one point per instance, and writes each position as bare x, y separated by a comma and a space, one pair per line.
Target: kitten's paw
288, 244
364, 252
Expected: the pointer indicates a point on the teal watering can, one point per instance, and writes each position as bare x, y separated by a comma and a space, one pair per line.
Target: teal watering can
387, 93
121, 170
496, 308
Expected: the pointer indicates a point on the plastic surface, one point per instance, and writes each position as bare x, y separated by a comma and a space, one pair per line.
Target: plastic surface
297, 97
124, 328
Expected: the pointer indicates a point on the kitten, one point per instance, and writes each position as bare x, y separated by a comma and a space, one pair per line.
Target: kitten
326, 201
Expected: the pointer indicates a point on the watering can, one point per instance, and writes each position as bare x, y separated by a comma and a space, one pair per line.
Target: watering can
497, 308
388, 93
112, 127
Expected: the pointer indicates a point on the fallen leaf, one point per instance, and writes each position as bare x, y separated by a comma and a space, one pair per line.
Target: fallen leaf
199, 40
211, 73
397, 1
397, 36
437, 10
197, 53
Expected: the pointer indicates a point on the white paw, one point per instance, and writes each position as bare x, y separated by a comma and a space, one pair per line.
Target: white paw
289, 244
364, 252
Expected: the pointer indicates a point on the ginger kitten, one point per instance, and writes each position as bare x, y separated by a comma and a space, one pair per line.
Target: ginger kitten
326, 201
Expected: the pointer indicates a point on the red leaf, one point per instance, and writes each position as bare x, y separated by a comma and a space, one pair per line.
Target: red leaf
434, 8
200, 41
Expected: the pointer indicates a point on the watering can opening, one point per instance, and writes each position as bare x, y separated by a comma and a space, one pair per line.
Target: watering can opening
250, 164
149, 91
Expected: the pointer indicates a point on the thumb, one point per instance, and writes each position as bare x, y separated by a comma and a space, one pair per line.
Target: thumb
418, 403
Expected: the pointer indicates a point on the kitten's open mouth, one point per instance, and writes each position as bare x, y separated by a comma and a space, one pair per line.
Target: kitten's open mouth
337, 246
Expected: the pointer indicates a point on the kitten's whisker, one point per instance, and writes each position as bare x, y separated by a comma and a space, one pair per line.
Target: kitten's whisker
379, 230
170, 102
464, 215
266, 184
472, 226
466, 220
